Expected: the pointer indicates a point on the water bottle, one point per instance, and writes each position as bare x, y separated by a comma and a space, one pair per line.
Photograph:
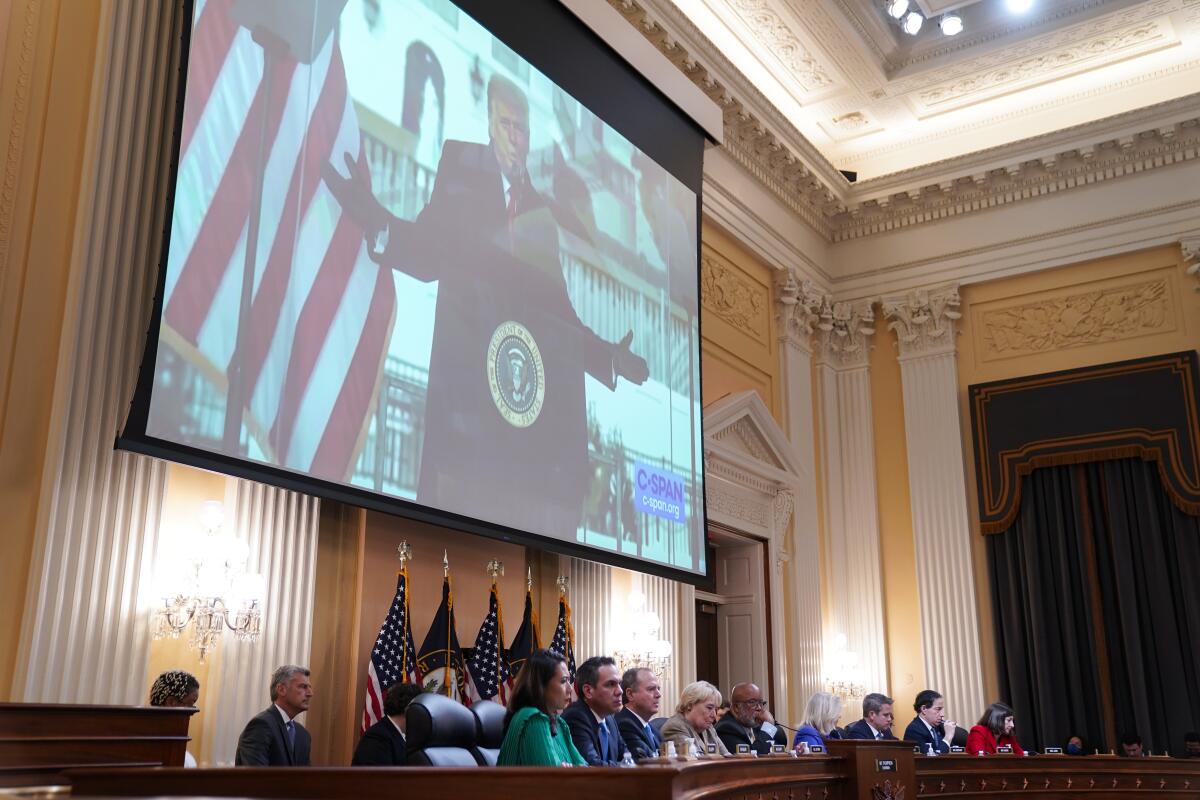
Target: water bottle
627, 761
930, 749
671, 749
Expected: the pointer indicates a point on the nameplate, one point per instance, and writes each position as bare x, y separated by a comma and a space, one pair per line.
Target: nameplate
712, 749
816, 748
743, 749
1004, 748
956, 749
778, 750
917, 749
885, 765
1053, 751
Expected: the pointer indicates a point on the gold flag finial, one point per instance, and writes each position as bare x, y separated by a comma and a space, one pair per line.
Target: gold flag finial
495, 568
404, 552
445, 564
529, 579
563, 582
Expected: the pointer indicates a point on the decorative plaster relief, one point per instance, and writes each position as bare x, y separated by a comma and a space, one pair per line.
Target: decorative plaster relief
1191, 257
845, 333
797, 309
733, 297
779, 39
924, 320
1049, 66
1074, 320
740, 508
751, 442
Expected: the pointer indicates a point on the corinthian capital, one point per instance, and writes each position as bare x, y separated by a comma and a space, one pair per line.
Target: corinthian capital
798, 307
923, 320
1191, 256
844, 333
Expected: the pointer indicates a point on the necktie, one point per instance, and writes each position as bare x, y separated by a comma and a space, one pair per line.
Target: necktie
604, 756
650, 735
291, 729
879, 735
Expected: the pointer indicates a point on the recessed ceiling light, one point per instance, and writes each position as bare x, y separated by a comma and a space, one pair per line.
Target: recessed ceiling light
897, 8
911, 24
951, 24
1018, 6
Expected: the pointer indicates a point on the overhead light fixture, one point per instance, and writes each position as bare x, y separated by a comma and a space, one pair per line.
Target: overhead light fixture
912, 22
1018, 6
897, 8
951, 24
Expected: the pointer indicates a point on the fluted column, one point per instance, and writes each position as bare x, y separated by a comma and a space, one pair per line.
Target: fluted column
797, 311
85, 636
280, 530
924, 325
852, 555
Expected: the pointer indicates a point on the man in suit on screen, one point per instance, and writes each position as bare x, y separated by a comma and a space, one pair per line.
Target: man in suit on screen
506, 371
274, 738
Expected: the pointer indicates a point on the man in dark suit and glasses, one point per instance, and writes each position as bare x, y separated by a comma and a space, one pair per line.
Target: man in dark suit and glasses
744, 722
642, 699
877, 719
592, 718
383, 744
274, 738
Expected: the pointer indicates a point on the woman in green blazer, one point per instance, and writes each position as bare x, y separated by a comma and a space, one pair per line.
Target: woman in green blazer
534, 733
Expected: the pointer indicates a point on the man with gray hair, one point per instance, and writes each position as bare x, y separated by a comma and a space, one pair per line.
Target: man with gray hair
642, 696
274, 738
877, 719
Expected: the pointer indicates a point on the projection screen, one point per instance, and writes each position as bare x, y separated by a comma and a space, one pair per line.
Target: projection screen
406, 268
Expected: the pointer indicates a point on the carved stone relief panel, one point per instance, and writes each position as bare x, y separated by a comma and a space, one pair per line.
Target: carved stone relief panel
1087, 314
731, 295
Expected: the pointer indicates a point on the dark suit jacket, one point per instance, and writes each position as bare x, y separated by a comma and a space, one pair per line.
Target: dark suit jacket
861, 730
732, 734
264, 743
918, 734
586, 734
381, 745
495, 267
633, 733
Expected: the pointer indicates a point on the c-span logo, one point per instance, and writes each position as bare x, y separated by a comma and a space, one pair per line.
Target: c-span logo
516, 374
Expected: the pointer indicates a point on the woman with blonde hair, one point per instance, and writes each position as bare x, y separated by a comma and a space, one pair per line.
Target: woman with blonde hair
820, 720
695, 718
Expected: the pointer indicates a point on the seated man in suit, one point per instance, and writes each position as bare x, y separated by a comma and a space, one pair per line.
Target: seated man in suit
274, 738
382, 744
929, 730
877, 719
748, 721
592, 718
1131, 745
642, 696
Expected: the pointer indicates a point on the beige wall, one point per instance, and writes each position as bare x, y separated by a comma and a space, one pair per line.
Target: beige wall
48, 49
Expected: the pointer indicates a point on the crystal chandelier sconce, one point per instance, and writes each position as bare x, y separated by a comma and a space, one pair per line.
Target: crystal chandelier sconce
639, 644
205, 589
842, 674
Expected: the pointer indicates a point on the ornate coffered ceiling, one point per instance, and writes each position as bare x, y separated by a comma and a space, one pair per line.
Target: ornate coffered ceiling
875, 101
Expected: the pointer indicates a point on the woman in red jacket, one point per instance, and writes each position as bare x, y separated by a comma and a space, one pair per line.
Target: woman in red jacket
995, 729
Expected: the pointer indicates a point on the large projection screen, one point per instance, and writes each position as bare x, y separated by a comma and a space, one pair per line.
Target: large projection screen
416, 260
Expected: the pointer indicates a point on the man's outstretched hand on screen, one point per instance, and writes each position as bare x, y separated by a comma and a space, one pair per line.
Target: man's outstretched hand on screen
627, 364
354, 195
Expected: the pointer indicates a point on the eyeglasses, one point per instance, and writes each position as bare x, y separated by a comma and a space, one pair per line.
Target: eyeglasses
753, 703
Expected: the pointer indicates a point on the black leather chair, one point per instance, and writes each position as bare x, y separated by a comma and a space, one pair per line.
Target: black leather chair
490, 736
441, 732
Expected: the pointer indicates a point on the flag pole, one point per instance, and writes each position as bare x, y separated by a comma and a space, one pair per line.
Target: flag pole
449, 615
404, 553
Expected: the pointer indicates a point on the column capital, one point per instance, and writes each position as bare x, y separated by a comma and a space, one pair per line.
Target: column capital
844, 334
1191, 256
797, 309
923, 320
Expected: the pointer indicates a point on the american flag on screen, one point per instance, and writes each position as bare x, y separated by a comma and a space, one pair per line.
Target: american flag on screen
488, 667
394, 657
321, 313
563, 641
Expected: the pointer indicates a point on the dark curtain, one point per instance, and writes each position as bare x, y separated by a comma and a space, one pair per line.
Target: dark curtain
1097, 608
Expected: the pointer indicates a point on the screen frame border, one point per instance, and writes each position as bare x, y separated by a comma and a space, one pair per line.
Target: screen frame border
133, 436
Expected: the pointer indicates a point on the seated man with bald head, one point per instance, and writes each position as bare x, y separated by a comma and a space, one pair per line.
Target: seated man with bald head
746, 720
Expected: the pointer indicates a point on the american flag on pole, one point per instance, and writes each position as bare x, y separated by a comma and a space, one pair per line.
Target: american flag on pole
321, 311
563, 641
488, 669
394, 657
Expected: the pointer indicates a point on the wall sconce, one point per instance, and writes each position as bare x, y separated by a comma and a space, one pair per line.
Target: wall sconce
205, 588
842, 674
638, 643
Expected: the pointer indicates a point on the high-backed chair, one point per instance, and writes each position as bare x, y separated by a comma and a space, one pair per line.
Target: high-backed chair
490, 736
441, 732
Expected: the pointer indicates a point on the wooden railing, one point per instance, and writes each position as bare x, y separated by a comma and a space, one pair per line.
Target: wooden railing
39, 742
852, 771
